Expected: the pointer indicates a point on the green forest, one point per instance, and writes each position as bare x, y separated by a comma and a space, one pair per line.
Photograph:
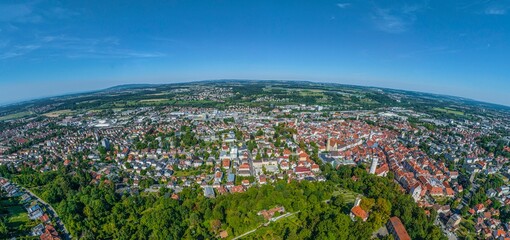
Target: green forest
97, 212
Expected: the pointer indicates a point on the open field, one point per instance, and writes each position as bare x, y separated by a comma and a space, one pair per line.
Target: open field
154, 100
58, 113
448, 110
158, 94
94, 111
15, 115
311, 92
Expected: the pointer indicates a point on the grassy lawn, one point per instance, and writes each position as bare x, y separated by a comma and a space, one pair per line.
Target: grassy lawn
185, 173
348, 196
16, 216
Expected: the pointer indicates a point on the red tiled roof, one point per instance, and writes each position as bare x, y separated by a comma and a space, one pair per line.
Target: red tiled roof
44, 218
359, 212
237, 189
302, 170
226, 162
50, 233
400, 230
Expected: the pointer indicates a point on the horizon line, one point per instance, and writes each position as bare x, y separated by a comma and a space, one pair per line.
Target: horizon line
19, 102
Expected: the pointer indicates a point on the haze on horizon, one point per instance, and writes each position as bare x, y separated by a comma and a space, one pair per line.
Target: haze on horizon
449, 47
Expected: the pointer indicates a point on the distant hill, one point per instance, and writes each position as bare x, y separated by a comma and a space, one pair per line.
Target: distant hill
130, 86
253, 93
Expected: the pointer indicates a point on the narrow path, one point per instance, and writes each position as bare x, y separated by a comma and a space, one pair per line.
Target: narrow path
247, 233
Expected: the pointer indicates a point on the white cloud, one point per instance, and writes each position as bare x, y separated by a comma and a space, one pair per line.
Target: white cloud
487, 7
343, 5
114, 53
495, 11
389, 22
22, 13
73, 47
107, 47
61, 13
396, 19
17, 51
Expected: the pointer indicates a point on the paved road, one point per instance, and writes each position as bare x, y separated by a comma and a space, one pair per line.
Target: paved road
60, 225
265, 224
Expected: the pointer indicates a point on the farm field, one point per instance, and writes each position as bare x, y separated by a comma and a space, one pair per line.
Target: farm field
448, 110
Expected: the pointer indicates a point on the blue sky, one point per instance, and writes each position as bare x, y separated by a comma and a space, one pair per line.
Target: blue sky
459, 48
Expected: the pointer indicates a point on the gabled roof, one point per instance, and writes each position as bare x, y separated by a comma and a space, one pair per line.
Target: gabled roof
399, 228
359, 212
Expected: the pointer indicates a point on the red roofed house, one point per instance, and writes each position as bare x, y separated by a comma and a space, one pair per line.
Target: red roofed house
225, 163
382, 171
284, 165
449, 192
245, 182
302, 170
359, 212
315, 168
175, 196
50, 233
244, 170
435, 191
262, 179
472, 211
303, 156
286, 152
397, 229
44, 218
237, 189
498, 233
479, 208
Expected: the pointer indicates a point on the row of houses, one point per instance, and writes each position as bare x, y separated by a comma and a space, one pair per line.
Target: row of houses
44, 229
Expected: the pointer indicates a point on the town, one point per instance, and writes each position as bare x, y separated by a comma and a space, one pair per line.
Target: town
447, 165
